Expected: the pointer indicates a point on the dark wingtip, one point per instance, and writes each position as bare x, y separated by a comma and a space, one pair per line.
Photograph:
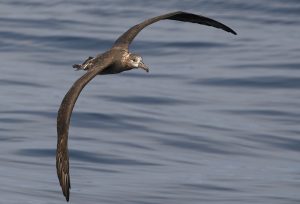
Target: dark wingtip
226, 28
210, 22
67, 195
233, 32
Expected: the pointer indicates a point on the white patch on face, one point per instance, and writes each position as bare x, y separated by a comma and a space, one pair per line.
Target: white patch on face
135, 62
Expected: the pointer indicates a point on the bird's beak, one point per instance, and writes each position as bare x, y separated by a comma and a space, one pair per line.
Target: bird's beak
143, 66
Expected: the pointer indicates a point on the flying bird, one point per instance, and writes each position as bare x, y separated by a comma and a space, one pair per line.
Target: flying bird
113, 61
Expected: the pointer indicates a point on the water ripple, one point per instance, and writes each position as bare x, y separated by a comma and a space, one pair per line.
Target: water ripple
46, 42
110, 121
5, 82
282, 142
209, 187
146, 100
281, 66
252, 82
196, 146
84, 156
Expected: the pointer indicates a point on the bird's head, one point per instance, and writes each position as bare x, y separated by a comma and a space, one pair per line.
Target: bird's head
135, 61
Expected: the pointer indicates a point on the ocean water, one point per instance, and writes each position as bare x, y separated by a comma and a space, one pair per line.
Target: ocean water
217, 119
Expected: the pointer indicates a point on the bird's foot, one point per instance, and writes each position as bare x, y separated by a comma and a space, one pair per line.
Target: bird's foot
84, 65
77, 67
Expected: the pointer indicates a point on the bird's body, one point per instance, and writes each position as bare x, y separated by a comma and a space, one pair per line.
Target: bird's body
113, 61
111, 55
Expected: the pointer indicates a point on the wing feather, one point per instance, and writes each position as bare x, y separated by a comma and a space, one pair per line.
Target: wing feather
63, 121
124, 40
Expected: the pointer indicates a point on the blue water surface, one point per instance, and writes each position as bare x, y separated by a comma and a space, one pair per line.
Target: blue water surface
217, 119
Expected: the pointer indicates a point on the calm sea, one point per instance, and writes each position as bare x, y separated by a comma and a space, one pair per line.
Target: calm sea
217, 119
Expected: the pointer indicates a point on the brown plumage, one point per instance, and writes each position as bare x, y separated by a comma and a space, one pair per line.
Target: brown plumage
116, 60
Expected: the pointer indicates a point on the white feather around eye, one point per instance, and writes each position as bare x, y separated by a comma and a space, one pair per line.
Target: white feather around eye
135, 62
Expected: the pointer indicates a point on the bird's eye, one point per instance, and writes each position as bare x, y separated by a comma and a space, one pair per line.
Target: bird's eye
135, 60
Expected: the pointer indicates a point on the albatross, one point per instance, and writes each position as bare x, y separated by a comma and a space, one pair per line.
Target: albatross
117, 59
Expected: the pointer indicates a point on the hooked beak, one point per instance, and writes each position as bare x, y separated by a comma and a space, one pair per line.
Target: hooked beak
143, 66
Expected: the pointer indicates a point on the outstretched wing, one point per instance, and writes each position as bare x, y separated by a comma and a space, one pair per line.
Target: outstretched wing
63, 121
124, 40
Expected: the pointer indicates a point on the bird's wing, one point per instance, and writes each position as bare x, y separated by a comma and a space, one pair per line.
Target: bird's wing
124, 40
63, 121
